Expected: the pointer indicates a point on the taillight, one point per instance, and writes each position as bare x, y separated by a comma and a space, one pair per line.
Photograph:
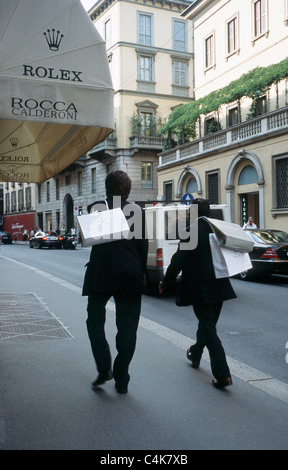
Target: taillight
159, 257
44, 238
60, 238
271, 253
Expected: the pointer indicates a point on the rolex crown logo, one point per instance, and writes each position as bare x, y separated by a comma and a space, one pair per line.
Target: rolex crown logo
14, 141
53, 39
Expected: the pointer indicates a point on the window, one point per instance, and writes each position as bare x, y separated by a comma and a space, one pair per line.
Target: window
107, 33
209, 51
168, 191
232, 35
145, 68
248, 175
179, 35
192, 186
233, 116
281, 182
210, 125
213, 187
13, 201
145, 29
48, 191
259, 17
28, 200
180, 73
57, 183
147, 175
79, 183
20, 199
261, 106
39, 193
7, 203
93, 180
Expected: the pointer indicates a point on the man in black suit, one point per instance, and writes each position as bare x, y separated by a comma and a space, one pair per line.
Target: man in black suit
116, 269
200, 288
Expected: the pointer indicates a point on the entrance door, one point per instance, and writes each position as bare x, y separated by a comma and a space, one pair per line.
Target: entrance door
69, 212
249, 206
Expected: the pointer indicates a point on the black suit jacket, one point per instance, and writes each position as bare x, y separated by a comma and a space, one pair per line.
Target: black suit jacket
199, 284
119, 265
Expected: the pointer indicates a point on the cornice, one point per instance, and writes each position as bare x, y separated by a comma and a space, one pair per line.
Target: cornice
103, 5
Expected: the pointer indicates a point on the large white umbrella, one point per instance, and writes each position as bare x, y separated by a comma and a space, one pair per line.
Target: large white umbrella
56, 93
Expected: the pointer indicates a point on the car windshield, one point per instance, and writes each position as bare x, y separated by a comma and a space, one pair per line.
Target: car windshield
270, 237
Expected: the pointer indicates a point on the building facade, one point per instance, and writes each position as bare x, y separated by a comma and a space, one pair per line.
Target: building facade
240, 155
18, 209
149, 49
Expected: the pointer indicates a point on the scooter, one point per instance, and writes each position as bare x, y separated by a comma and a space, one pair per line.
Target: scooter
69, 242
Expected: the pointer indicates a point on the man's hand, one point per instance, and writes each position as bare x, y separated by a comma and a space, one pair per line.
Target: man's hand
161, 287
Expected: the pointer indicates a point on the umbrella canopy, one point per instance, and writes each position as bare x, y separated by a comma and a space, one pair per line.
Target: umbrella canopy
56, 93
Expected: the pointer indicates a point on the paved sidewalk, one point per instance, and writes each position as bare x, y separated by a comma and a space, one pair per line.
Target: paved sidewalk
46, 367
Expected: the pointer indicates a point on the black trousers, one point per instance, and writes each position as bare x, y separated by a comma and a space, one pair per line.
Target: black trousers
128, 307
207, 315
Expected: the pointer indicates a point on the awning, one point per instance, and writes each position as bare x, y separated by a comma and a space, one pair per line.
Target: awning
56, 93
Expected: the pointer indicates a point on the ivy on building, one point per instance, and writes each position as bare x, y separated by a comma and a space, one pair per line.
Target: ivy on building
180, 127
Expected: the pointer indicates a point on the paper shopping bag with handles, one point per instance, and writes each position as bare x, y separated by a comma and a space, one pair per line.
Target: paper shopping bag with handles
228, 262
230, 235
102, 227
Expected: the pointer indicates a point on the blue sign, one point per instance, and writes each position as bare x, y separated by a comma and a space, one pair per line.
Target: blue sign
186, 198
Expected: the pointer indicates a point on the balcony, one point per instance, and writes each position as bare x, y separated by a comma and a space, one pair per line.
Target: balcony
146, 143
268, 125
106, 148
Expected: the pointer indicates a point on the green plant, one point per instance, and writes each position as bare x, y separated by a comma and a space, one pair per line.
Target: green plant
252, 84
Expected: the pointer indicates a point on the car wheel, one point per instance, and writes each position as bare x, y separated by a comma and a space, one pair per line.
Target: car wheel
30, 244
243, 275
39, 246
246, 276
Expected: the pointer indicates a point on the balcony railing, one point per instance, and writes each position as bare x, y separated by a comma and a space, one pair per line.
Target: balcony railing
260, 126
107, 144
146, 142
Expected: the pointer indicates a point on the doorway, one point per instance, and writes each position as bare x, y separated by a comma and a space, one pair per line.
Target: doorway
249, 206
68, 202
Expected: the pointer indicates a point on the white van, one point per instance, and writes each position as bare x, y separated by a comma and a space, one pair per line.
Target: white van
163, 223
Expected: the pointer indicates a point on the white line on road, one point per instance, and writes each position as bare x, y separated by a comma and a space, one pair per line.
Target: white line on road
248, 374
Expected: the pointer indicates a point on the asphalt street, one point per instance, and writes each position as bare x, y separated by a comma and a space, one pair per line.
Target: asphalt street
46, 401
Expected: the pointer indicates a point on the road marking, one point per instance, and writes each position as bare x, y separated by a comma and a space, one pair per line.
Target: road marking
248, 374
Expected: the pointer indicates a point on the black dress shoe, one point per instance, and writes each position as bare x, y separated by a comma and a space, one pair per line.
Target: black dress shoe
222, 383
194, 364
121, 389
102, 378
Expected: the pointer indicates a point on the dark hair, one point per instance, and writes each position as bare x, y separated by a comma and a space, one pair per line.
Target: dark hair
203, 207
118, 183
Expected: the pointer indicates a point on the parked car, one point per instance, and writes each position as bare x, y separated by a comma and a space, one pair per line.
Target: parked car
269, 254
6, 238
43, 239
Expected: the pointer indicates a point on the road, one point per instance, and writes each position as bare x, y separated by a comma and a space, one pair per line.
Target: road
165, 407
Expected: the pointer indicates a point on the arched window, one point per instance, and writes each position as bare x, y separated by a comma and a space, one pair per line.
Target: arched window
248, 175
192, 186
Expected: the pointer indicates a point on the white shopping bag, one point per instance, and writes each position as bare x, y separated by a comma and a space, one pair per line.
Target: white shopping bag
228, 262
230, 235
102, 227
